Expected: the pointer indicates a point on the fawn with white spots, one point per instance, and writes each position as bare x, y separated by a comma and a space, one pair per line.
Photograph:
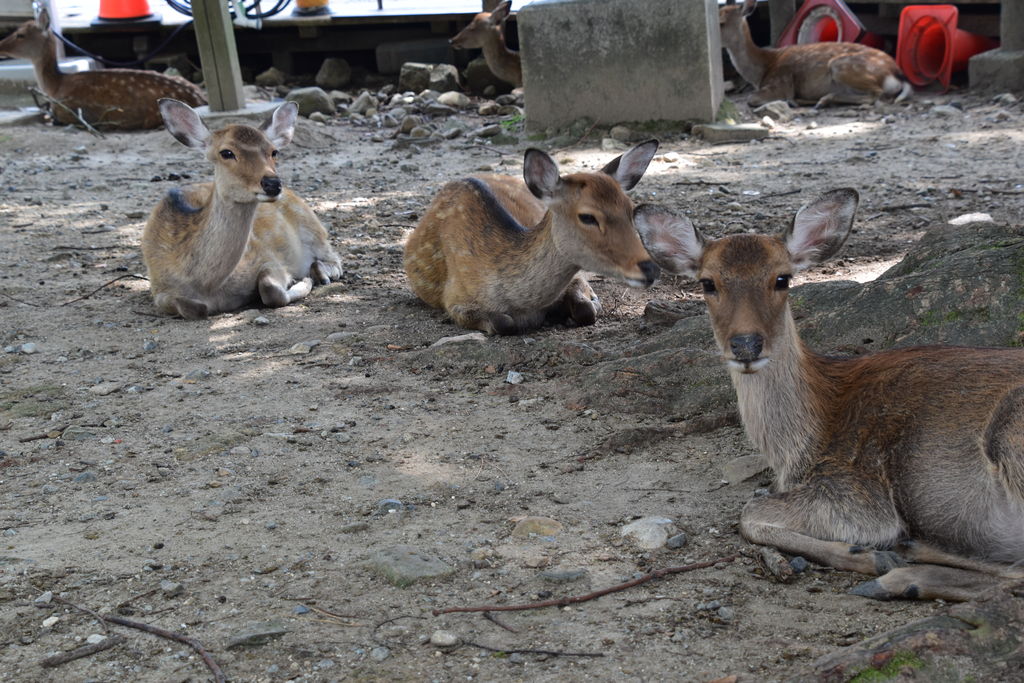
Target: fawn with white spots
814, 73
912, 455
502, 256
215, 247
486, 32
121, 99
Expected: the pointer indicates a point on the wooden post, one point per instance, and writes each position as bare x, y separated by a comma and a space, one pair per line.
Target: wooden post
215, 36
780, 13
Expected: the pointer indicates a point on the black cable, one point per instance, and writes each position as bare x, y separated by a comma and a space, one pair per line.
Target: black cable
124, 65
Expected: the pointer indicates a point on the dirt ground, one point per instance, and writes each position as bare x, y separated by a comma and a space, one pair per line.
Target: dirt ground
203, 477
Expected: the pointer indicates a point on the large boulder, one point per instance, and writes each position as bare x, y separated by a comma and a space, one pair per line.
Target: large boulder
311, 100
334, 74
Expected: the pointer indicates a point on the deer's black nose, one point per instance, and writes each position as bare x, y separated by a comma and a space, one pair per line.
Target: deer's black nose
746, 347
650, 270
271, 185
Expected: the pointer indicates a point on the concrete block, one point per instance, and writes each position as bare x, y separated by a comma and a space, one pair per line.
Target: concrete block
721, 133
620, 60
997, 70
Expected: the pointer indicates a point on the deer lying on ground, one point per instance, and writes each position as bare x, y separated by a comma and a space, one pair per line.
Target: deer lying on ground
215, 247
502, 256
911, 455
814, 73
486, 32
123, 99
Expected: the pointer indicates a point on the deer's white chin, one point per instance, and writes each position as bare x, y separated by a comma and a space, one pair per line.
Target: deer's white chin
260, 197
747, 367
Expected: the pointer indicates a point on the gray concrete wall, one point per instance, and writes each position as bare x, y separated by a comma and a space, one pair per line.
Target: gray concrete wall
620, 60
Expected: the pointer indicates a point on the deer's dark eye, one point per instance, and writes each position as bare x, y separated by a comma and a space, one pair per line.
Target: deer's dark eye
273, 155
782, 281
587, 219
227, 154
708, 285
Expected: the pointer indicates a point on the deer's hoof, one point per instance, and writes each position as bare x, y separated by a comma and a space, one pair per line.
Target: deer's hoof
872, 589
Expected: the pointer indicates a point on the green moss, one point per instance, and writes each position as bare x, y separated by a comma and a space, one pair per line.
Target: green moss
727, 112
34, 401
891, 670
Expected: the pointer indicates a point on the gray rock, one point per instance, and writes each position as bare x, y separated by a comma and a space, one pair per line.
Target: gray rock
389, 505
443, 78
414, 76
84, 477
303, 347
334, 73
439, 109
563, 575
257, 634
171, 589
420, 132
363, 103
488, 131
946, 110
621, 133
677, 541
319, 117
76, 433
104, 388
798, 564
409, 122
444, 639
726, 614
341, 98
613, 145
43, 599
453, 98
514, 377
29, 348
721, 133
271, 78
778, 110
1006, 99
648, 533
488, 108
379, 654
311, 100
743, 468
403, 565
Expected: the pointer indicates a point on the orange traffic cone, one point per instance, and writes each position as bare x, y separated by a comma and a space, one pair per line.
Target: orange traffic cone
823, 21
125, 11
930, 47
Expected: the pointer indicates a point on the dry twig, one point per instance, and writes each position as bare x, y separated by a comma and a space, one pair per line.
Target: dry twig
218, 673
516, 651
494, 620
39, 93
105, 284
84, 651
573, 599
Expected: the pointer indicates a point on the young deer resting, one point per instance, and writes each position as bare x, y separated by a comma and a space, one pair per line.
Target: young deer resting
907, 455
123, 99
215, 247
502, 256
487, 33
815, 73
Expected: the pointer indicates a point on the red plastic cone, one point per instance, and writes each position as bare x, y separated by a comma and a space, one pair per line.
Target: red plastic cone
113, 11
822, 21
930, 47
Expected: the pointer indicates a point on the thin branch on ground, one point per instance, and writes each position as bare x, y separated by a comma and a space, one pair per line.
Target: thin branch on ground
84, 651
104, 285
517, 651
16, 299
373, 633
85, 610
44, 435
218, 674
494, 620
573, 599
495, 149
77, 115
128, 601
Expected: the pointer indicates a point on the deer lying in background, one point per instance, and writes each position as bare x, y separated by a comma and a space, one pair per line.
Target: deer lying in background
215, 247
907, 455
122, 99
814, 73
486, 32
502, 256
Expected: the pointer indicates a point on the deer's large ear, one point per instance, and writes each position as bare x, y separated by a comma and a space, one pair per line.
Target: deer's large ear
672, 241
184, 123
500, 13
748, 7
629, 168
820, 227
44, 19
281, 125
540, 173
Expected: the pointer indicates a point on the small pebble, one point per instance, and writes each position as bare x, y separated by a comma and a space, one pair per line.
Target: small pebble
514, 377
50, 621
676, 542
798, 564
444, 639
95, 638
379, 654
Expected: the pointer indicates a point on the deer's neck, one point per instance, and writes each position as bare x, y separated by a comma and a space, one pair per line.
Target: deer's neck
782, 406
749, 59
503, 62
48, 75
544, 272
221, 240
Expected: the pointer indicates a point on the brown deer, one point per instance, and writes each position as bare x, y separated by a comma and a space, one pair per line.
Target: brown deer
486, 32
815, 73
502, 256
215, 247
122, 99
912, 455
